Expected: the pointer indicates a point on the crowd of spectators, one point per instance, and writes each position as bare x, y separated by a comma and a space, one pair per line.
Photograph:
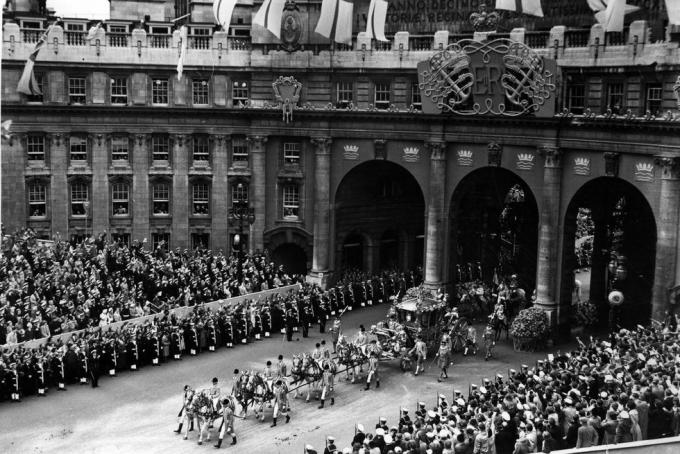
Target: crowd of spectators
609, 391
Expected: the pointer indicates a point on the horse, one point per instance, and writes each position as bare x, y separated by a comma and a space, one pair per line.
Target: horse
201, 408
350, 356
305, 371
244, 394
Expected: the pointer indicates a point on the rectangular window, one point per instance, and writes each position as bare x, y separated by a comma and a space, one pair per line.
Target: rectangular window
200, 240
35, 148
121, 199
40, 96
159, 91
615, 97
291, 202
576, 98
239, 152
416, 101
201, 199
291, 154
78, 148
119, 91
120, 150
240, 92
654, 99
161, 199
201, 150
118, 36
79, 198
160, 149
239, 193
382, 95
76, 90
160, 240
75, 34
37, 200
199, 92
345, 94
200, 38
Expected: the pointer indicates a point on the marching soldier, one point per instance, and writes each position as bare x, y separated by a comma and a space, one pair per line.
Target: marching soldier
290, 322
327, 380
227, 425
280, 401
420, 350
212, 335
372, 370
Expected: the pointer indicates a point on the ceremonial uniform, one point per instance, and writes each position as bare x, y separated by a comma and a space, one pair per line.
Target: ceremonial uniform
444, 358
336, 330
290, 322
212, 336
227, 425
266, 318
489, 341
327, 382
280, 401
420, 350
373, 371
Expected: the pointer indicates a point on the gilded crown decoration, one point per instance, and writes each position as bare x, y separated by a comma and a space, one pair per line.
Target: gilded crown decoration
525, 161
465, 158
644, 171
582, 166
351, 152
411, 154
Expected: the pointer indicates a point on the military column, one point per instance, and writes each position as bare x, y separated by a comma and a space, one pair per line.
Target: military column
434, 241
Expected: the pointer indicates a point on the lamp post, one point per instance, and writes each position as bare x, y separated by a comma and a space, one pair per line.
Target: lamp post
241, 213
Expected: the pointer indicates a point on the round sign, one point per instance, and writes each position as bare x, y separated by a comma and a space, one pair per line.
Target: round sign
615, 298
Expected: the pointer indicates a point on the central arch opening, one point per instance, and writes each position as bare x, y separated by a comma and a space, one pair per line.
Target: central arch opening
379, 218
494, 228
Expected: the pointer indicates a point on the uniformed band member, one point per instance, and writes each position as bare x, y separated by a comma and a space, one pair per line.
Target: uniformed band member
280, 401
420, 350
227, 425
327, 381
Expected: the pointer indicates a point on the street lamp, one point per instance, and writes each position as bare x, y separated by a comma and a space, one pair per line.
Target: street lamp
241, 212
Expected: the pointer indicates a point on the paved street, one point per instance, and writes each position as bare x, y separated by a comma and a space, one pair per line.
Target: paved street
136, 412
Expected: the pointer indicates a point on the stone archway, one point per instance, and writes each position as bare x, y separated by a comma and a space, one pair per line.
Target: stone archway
291, 247
493, 227
292, 257
373, 198
623, 251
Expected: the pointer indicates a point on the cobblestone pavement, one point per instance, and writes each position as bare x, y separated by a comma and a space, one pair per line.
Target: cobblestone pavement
136, 412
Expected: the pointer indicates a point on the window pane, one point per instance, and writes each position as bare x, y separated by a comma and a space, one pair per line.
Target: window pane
201, 149
79, 194
615, 98
120, 199
654, 99
40, 79
415, 96
119, 91
119, 149
200, 240
382, 95
576, 98
200, 203
161, 199
239, 151
78, 149
345, 92
239, 193
160, 240
76, 90
160, 148
239, 92
36, 148
291, 202
159, 91
37, 200
291, 154
199, 92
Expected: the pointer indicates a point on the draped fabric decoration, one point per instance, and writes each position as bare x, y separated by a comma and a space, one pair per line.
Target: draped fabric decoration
673, 9
269, 16
92, 33
610, 13
335, 21
375, 23
183, 34
223, 9
532, 7
28, 85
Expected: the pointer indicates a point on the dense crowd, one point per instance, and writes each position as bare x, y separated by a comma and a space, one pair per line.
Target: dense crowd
606, 391
49, 289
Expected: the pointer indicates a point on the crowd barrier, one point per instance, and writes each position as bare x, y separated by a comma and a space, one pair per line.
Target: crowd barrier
180, 312
670, 445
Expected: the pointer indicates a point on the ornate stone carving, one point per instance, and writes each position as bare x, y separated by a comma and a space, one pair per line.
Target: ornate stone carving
287, 92
256, 143
140, 139
552, 156
670, 167
437, 150
322, 145
291, 27
483, 21
611, 164
380, 149
495, 154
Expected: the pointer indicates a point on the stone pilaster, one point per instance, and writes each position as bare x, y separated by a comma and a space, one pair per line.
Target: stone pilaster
322, 208
667, 244
140, 185
181, 197
258, 161
101, 209
548, 238
220, 193
434, 240
59, 191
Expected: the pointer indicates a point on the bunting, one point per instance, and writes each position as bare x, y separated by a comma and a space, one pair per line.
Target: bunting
375, 23
269, 16
223, 9
183, 34
335, 21
92, 33
27, 84
532, 7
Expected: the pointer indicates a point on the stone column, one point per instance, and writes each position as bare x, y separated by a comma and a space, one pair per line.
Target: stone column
322, 209
181, 205
667, 245
101, 209
436, 212
546, 268
220, 193
140, 185
60, 195
258, 161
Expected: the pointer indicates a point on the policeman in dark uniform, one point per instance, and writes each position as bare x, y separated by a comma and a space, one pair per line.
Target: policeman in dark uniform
266, 318
322, 312
95, 367
290, 322
212, 335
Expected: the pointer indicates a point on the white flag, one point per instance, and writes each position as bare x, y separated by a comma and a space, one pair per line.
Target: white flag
335, 21
183, 50
532, 7
375, 24
597, 5
28, 84
673, 9
223, 9
612, 16
269, 16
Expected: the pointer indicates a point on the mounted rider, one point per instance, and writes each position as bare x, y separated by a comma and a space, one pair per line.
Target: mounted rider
268, 374
361, 340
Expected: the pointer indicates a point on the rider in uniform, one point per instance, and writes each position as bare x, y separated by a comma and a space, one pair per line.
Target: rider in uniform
215, 392
420, 350
268, 375
327, 381
227, 425
336, 330
280, 401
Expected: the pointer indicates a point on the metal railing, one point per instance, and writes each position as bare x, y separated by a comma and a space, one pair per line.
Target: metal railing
536, 40
158, 41
31, 35
200, 42
75, 38
576, 38
118, 39
420, 43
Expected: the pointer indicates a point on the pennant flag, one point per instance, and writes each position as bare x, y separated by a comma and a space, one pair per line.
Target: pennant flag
673, 9
335, 21
269, 16
223, 9
375, 24
612, 17
183, 50
532, 7
27, 84
92, 33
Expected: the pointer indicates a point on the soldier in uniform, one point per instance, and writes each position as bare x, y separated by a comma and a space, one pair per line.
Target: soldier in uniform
191, 339
307, 317
444, 359
133, 352
42, 367
336, 330
281, 369
330, 446
405, 423
290, 322
227, 425
228, 331
266, 317
95, 367
322, 312
280, 401
372, 370
268, 375
212, 335
420, 349
60, 373
257, 324
327, 381
215, 392
489, 341
176, 344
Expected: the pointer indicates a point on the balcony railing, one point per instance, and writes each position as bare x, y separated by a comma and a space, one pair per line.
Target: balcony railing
29, 35
118, 39
616, 38
158, 41
340, 47
200, 42
536, 40
383, 46
420, 43
455, 37
242, 43
75, 38
576, 38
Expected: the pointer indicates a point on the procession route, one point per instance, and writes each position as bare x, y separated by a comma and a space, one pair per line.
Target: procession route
136, 412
